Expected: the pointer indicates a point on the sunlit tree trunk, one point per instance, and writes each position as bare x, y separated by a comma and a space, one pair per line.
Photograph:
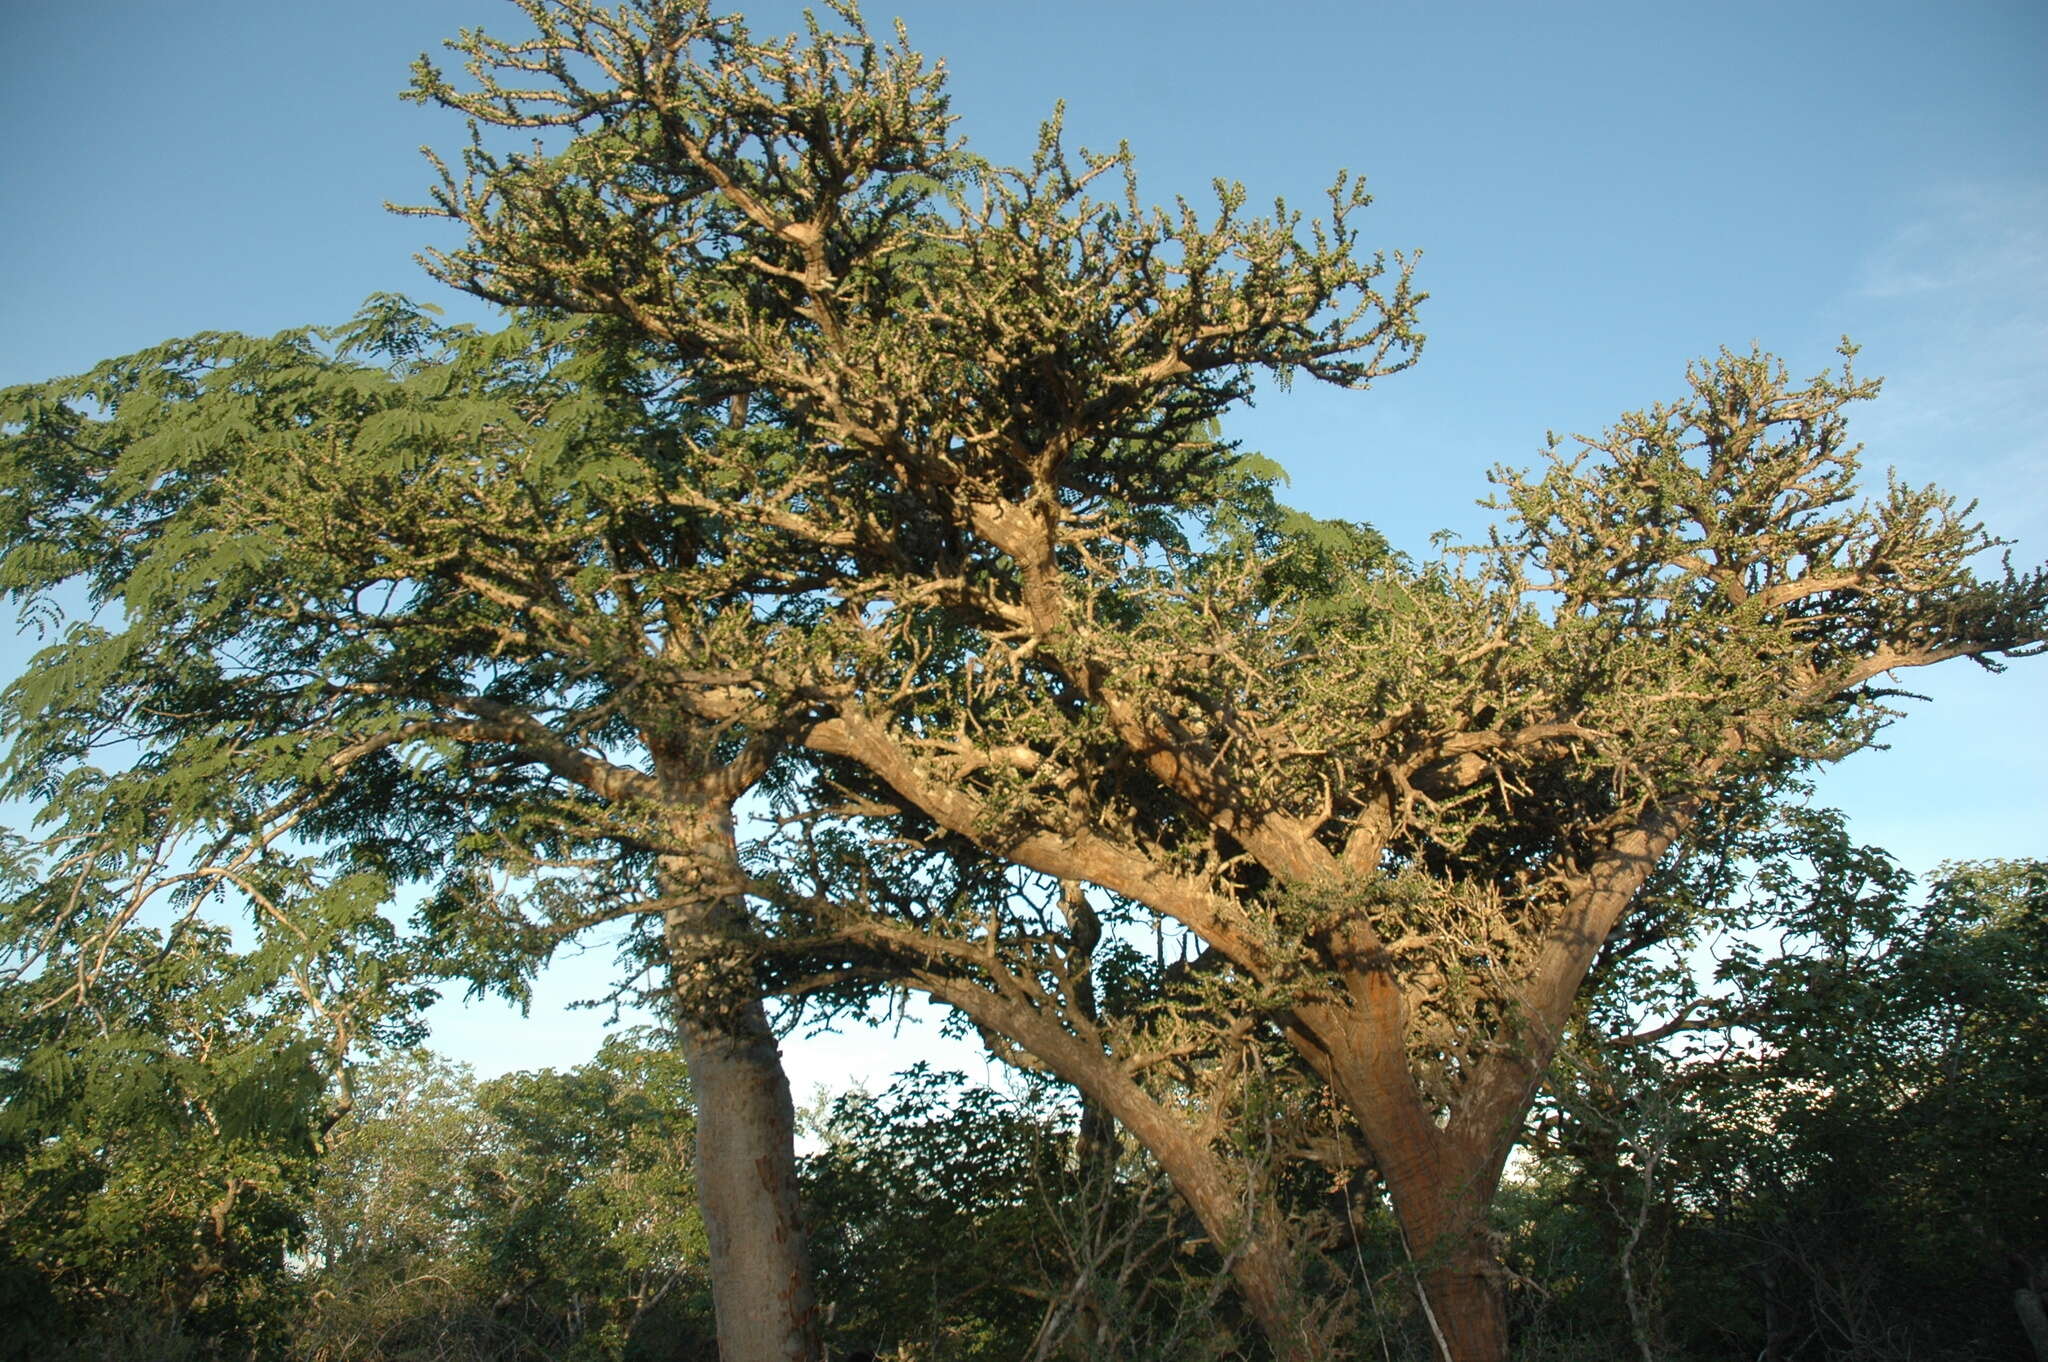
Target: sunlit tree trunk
761, 1285
1441, 1170
1440, 1199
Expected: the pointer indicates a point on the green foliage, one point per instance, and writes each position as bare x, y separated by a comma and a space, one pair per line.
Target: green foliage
927, 1205
952, 1222
372, 607
537, 1215
1841, 1158
868, 448
162, 1103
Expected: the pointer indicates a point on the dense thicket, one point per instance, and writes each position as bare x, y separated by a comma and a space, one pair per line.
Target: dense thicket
1837, 1156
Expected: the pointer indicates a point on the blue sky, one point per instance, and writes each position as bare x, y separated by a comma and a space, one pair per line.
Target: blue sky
1600, 192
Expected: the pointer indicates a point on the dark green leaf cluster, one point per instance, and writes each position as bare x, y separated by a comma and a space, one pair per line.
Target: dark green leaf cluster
1840, 1131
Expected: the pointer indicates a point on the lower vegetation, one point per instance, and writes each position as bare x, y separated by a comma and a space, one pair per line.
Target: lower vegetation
1822, 1144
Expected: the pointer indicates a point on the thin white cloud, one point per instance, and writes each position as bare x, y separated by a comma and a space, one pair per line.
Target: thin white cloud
1969, 241
1953, 308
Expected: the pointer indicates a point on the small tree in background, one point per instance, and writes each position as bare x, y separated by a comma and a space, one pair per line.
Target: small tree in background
535, 1215
164, 1100
1841, 1119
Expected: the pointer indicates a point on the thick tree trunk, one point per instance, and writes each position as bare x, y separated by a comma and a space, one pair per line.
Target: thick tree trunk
761, 1288
1441, 1206
1468, 1308
747, 1193
1440, 1181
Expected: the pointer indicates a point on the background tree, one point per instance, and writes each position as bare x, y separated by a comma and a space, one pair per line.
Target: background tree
1882, 1188
164, 1098
536, 1215
580, 1203
1842, 1126
386, 1196
958, 1222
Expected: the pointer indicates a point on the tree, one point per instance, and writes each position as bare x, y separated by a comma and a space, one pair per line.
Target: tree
1882, 1187
535, 1215
580, 1202
909, 461
385, 1196
403, 606
164, 1098
1402, 814
955, 1221
782, 219
1841, 1119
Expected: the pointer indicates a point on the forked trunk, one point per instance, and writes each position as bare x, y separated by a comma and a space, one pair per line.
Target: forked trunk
1440, 1180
